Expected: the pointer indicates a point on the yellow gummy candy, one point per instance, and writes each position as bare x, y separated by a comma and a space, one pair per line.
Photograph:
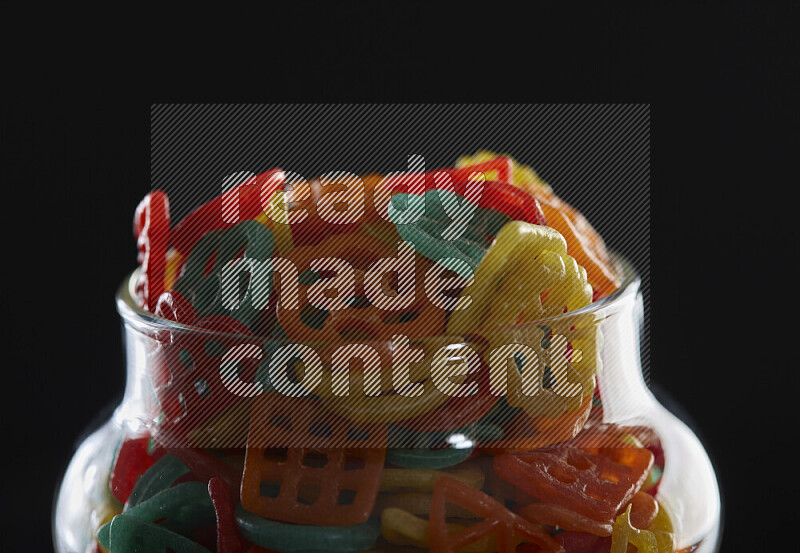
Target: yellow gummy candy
278, 222
524, 261
103, 515
417, 503
662, 528
625, 533
400, 527
422, 480
171, 273
521, 174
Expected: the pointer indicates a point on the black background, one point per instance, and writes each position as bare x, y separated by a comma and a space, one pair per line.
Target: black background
722, 84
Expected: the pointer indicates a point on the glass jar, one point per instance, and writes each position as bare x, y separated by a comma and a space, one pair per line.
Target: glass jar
245, 413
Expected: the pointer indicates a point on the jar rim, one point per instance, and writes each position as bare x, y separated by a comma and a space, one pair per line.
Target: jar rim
144, 320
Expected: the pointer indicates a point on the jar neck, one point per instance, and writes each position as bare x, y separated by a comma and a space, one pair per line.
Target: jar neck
174, 375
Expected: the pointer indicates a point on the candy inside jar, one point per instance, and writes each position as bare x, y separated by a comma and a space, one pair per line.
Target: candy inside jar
446, 373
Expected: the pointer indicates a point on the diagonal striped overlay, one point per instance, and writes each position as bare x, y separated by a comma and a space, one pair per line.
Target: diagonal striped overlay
596, 157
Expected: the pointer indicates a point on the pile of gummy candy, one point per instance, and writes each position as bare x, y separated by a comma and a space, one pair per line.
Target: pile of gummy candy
561, 493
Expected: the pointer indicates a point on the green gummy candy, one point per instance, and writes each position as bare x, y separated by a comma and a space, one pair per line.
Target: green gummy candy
158, 477
469, 242
427, 458
210, 245
436, 249
260, 242
476, 432
427, 232
296, 538
205, 291
183, 508
186, 504
470, 249
132, 535
482, 226
492, 221
654, 475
